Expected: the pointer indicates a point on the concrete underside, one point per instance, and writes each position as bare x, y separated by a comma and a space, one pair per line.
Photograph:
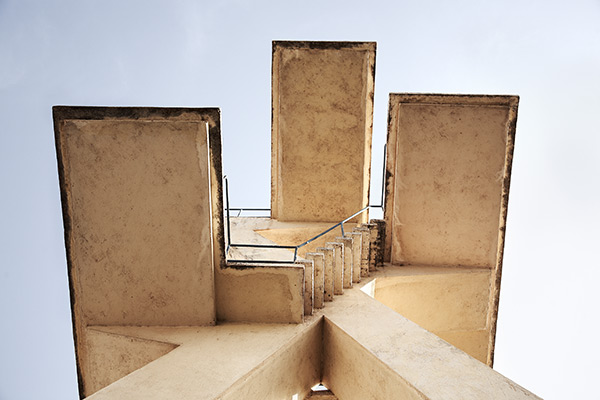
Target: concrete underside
370, 352
448, 168
449, 302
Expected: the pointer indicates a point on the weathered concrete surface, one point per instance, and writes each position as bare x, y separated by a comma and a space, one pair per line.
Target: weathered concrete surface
140, 189
318, 278
449, 160
450, 302
374, 352
370, 352
227, 361
448, 172
328, 254
260, 293
338, 267
111, 356
322, 109
356, 255
141, 221
366, 249
290, 371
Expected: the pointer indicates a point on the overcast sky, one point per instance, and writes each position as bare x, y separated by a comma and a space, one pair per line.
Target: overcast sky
218, 53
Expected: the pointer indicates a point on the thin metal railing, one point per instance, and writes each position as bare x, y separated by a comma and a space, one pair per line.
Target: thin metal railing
289, 247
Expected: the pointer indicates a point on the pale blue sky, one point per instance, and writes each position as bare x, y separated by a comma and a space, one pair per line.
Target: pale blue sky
218, 53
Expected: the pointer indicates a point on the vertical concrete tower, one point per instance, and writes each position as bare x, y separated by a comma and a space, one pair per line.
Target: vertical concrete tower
173, 297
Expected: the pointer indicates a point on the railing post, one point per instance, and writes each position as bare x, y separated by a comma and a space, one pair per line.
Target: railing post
227, 208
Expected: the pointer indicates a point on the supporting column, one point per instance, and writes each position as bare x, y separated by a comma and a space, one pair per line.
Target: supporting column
338, 267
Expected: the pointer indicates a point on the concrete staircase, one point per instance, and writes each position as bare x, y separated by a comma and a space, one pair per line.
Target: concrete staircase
341, 263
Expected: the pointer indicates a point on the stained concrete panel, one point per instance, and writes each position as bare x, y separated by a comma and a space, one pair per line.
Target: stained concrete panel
448, 173
112, 356
142, 203
141, 240
322, 99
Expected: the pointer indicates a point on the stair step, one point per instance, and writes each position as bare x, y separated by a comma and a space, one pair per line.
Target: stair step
347, 242
338, 267
356, 255
319, 278
366, 250
328, 267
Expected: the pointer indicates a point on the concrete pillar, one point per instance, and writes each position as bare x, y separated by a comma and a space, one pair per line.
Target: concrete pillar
379, 243
356, 255
319, 278
366, 249
328, 266
347, 242
309, 288
338, 267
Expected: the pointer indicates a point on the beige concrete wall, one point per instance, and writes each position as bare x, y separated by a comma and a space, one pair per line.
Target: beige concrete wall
142, 204
289, 372
141, 221
322, 103
448, 171
453, 300
352, 372
111, 356
260, 293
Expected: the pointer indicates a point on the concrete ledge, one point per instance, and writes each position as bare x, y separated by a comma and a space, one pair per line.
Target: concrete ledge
249, 292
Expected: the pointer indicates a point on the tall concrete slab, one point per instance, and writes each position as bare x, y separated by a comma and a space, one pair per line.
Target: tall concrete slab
142, 215
449, 160
448, 175
322, 117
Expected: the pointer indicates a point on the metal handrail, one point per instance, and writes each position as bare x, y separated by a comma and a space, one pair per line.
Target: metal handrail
277, 246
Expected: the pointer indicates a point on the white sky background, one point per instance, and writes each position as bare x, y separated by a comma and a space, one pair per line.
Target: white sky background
218, 53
